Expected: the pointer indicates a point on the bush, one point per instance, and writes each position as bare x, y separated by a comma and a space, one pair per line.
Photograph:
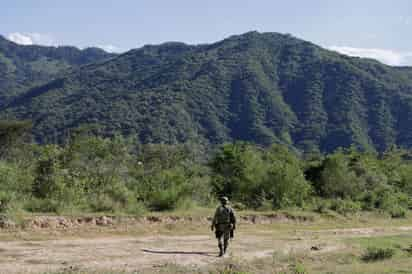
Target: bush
10, 204
390, 201
136, 209
373, 254
102, 202
115, 197
97, 174
163, 200
5, 201
106, 203
238, 206
337, 179
321, 206
369, 201
265, 205
239, 172
43, 205
258, 178
397, 212
299, 268
15, 179
345, 207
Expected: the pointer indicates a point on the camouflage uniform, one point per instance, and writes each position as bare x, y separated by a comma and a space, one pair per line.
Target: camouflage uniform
224, 222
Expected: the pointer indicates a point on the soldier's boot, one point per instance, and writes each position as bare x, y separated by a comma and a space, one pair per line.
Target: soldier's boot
220, 250
225, 248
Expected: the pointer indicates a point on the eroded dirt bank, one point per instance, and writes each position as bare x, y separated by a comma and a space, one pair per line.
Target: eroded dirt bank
62, 222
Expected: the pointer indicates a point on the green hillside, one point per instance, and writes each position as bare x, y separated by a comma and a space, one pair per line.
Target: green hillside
23, 67
259, 87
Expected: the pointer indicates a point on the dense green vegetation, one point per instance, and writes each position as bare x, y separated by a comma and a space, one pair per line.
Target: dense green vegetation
24, 67
262, 88
96, 174
172, 126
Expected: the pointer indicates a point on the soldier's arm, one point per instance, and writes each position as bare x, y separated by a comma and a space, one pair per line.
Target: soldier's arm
233, 218
214, 219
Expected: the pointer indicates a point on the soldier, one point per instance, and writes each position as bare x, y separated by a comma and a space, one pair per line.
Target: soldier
224, 223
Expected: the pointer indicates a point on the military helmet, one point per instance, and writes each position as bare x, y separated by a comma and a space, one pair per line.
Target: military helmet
224, 199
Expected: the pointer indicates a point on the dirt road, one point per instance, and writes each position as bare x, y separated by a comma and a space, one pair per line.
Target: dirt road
135, 253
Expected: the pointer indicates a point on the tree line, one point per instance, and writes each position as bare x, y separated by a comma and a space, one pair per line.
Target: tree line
90, 173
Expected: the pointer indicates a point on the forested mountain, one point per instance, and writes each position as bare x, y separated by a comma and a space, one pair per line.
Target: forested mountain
23, 67
258, 87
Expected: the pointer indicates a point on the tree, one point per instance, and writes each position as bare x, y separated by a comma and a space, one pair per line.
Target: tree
13, 134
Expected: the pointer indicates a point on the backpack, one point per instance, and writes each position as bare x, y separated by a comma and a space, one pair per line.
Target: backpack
224, 215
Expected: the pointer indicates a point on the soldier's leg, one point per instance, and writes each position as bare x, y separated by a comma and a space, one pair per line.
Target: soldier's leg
221, 252
226, 237
219, 236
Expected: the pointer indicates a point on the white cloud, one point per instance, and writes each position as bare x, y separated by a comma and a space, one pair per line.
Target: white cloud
20, 39
35, 38
32, 39
111, 48
390, 57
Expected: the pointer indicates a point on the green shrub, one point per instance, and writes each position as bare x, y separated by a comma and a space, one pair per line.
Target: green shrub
185, 203
239, 206
265, 205
369, 201
321, 206
102, 202
345, 207
287, 185
163, 200
239, 172
337, 179
115, 197
11, 204
257, 177
96, 174
397, 212
106, 203
5, 201
48, 179
373, 254
43, 205
299, 268
15, 179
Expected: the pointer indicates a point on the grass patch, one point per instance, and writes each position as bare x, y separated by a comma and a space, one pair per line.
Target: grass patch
395, 242
374, 254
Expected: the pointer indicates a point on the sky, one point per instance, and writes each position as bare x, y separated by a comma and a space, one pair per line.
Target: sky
379, 29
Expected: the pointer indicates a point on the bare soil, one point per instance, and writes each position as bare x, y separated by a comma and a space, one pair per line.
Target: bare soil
145, 251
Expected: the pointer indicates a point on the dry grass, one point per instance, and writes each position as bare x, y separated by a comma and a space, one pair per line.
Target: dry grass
325, 244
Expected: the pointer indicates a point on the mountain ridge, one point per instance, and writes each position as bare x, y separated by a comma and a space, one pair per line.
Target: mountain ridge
257, 87
26, 66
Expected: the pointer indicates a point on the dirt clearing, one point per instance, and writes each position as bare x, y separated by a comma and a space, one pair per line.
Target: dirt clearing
133, 253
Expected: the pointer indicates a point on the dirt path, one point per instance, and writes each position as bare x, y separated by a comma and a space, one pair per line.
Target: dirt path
134, 253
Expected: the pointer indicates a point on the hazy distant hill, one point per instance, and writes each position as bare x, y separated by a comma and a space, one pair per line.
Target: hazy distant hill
259, 87
22, 67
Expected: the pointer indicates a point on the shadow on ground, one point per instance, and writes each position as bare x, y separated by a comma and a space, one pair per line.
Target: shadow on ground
208, 254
